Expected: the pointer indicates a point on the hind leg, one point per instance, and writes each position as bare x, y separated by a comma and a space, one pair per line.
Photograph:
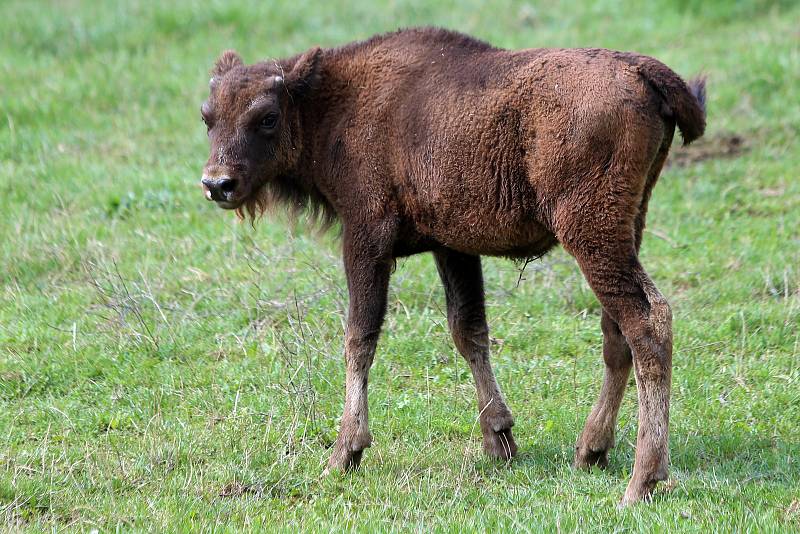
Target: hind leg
597, 437
603, 243
466, 316
645, 319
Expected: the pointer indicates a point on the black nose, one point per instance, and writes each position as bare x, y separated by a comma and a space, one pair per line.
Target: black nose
220, 189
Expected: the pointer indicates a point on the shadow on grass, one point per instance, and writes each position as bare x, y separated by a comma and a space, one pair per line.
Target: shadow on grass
738, 456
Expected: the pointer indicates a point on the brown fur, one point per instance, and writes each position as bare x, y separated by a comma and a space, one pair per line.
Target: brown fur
429, 140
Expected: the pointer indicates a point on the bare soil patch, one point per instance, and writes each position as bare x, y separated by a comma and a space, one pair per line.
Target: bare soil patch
723, 145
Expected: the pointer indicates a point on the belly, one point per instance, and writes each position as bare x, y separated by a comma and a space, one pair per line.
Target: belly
495, 236
476, 232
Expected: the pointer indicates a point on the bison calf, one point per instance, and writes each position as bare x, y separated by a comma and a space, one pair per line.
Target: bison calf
426, 140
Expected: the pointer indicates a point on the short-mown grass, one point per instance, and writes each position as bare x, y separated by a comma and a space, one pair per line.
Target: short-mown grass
165, 368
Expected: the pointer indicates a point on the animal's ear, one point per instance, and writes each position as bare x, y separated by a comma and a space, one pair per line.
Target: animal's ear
226, 62
305, 72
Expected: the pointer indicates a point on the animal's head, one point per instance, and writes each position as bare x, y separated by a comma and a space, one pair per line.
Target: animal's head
253, 126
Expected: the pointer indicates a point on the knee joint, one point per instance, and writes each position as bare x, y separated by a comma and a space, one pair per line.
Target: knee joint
469, 338
355, 340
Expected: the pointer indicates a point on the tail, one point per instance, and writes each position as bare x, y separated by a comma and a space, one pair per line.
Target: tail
685, 103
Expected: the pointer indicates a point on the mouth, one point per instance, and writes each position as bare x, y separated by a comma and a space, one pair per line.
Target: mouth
226, 205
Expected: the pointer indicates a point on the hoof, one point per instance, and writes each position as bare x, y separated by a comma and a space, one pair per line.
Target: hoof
343, 461
346, 454
642, 490
500, 445
592, 448
637, 494
586, 458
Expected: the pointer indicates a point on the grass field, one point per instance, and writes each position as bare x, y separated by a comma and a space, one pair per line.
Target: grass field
165, 368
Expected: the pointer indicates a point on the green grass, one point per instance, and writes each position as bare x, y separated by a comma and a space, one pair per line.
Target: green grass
164, 368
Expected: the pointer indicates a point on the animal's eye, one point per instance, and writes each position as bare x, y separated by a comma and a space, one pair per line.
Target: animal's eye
269, 121
205, 114
208, 122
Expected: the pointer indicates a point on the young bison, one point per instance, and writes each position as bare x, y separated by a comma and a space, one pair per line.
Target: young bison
428, 140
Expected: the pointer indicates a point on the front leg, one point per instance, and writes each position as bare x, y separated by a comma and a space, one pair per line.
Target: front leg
367, 267
466, 315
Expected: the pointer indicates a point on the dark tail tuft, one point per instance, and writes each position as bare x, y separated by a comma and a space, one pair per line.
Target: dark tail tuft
697, 86
690, 110
686, 103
